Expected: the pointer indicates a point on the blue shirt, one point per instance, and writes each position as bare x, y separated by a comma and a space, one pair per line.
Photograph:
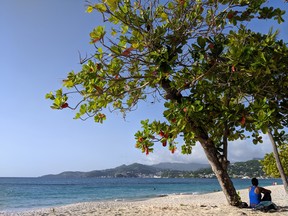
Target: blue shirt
255, 199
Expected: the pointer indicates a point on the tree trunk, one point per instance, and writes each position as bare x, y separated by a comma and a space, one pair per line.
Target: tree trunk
219, 168
278, 162
218, 162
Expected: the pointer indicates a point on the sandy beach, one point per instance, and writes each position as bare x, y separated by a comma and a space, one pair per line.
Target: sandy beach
212, 204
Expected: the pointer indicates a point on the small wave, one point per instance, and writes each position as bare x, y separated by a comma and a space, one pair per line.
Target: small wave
182, 193
119, 200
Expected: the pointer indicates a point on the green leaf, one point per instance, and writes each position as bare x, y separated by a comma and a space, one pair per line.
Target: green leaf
83, 109
59, 93
77, 116
100, 7
89, 9
98, 33
113, 4
170, 5
124, 29
50, 96
68, 83
201, 41
164, 16
264, 129
261, 115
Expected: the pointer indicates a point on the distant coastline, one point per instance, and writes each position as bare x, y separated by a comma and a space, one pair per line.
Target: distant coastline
242, 170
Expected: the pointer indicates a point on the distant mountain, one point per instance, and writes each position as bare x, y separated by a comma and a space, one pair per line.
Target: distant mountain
167, 170
181, 166
135, 170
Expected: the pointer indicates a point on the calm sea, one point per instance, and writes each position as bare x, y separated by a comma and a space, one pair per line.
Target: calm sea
18, 194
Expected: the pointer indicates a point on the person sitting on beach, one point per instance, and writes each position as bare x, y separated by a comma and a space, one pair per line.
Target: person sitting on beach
255, 194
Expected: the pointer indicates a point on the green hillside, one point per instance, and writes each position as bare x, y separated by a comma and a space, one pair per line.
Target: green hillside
249, 169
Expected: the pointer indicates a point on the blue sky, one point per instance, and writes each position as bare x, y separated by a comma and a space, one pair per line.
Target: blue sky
40, 41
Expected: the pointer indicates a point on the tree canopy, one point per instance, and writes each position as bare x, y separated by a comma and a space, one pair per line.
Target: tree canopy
269, 163
216, 78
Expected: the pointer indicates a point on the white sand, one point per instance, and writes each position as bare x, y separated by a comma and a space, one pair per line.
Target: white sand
212, 204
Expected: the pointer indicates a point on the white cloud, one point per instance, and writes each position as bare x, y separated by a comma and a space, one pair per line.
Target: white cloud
164, 155
244, 150
240, 150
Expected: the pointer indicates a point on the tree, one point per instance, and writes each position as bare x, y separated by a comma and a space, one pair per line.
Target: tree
276, 108
277, 160
273, 92
180, 52
269, 163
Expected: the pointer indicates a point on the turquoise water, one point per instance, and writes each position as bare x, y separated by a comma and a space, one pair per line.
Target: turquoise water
17, 194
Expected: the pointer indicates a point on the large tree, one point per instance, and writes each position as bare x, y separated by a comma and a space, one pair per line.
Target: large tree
195, 56
271, 94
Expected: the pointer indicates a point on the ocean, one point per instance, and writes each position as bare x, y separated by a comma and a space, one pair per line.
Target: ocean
19, 194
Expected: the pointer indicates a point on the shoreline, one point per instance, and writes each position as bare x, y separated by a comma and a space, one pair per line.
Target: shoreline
171, 205
15, 211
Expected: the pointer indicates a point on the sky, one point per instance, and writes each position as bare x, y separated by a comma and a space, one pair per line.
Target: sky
40, 43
